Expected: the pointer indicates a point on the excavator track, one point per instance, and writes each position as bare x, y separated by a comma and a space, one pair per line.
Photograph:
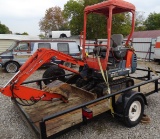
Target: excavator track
118, 84
101, 89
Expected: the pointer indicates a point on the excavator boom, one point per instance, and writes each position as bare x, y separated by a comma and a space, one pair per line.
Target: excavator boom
41, 56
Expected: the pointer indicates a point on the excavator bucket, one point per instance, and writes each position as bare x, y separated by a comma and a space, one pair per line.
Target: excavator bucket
58, 87
68, 91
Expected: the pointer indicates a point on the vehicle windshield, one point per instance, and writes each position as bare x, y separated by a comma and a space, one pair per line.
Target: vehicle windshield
13, 45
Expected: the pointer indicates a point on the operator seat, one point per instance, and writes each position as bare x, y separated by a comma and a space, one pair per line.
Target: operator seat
117, 39
117, 46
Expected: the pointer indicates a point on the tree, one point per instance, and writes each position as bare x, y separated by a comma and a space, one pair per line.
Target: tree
53, 20
73, 12
24, 33
41, 36
4, 29
139, 23
121, 24
153, 21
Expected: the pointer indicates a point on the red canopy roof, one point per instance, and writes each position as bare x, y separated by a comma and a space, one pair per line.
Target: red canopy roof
103, 7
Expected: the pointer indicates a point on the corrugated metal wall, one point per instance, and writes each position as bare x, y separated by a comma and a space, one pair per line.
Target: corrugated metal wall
5, 44
144, 47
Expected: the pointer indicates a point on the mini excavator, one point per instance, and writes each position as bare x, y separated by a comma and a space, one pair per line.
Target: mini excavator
96, 71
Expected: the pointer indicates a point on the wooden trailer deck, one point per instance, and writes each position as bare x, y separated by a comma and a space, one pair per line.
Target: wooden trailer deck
77, 97
45, 108
37, 112
145, 88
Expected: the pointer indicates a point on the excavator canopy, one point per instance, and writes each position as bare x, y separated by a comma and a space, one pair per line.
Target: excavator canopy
120, 6
107, 8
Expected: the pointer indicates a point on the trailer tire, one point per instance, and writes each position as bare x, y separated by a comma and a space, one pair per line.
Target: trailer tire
53, 71
133, 111
11, 67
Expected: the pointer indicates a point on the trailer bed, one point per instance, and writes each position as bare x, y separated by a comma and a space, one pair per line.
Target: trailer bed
145, 88
77, 97
37, 112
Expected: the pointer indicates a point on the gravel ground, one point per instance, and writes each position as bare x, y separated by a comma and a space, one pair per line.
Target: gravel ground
106, 127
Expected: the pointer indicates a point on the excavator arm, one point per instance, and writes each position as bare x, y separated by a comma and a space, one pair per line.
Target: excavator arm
14, 88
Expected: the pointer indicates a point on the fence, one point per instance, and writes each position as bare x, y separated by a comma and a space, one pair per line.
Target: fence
144, 48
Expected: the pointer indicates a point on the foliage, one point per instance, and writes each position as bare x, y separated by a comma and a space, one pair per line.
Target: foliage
4, 29
41, 36
72, 18
24, 33
96, 24
121, 24
18, 33
73, 12
139, 23
53, 20
153, 21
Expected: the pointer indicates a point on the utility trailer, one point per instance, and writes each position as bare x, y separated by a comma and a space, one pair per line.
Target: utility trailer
52, 119
101, 83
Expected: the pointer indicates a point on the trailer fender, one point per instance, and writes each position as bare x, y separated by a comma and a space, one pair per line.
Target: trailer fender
123, 100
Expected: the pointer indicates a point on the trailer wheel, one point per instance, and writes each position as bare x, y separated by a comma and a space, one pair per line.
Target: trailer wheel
133, 111
53, 71
12, 67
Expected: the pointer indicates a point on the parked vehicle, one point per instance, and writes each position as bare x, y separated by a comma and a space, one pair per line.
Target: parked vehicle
17, 54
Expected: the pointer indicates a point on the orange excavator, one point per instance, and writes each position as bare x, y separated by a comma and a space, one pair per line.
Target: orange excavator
107, 61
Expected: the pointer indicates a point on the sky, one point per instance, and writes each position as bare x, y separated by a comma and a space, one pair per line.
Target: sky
24, 15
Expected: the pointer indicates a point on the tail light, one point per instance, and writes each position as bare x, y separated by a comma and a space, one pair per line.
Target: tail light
87, 113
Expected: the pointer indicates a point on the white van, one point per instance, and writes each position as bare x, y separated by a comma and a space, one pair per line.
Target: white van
21, 50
